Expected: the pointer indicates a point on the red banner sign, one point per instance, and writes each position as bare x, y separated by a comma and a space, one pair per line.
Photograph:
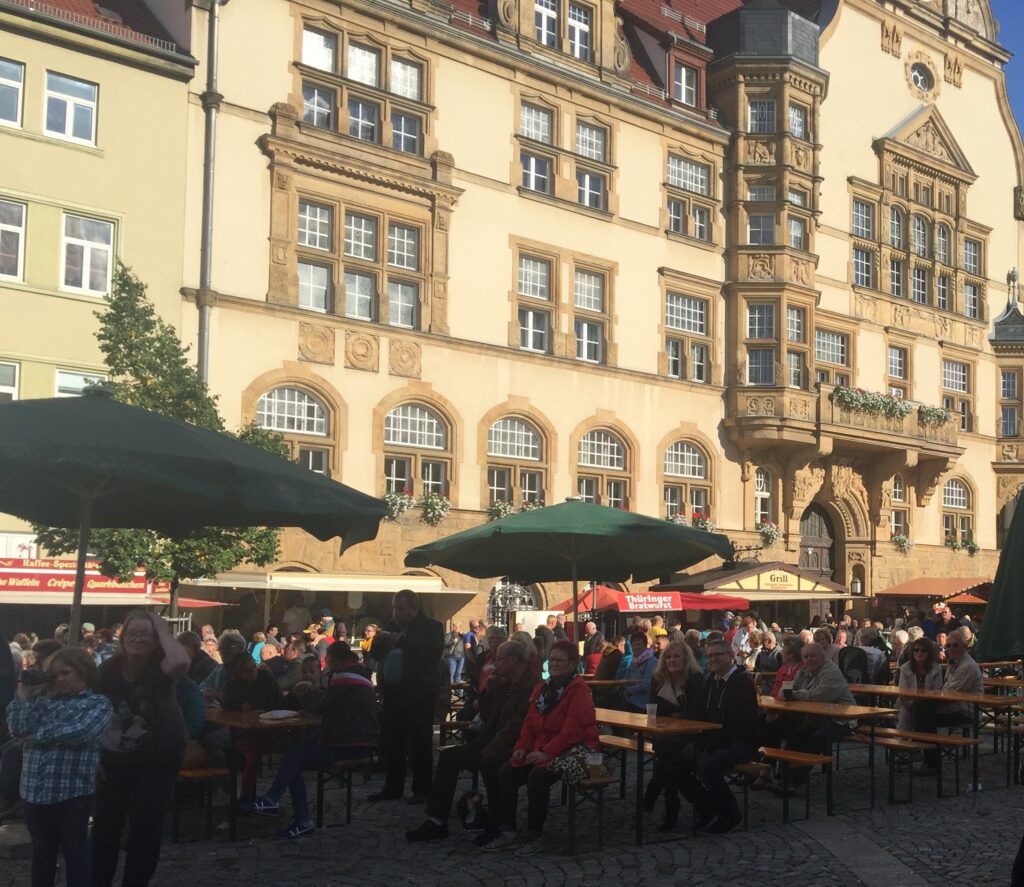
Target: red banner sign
58, 575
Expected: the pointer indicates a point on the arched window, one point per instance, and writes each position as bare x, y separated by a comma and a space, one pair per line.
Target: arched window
920, 235
514, 453
602, 462
957, 520
686, 475
764, 507
942, 240
898, 515
896, 232
297, 414
416, 451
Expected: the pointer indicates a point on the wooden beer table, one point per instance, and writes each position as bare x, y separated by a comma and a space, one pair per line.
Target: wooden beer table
654, 728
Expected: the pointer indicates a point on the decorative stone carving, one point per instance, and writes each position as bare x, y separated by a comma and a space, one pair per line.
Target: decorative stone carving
802, 271
439, 307
865, 306
761, 406
404, 359
362, 351
806, 483
954, 70
1018, 203
799, 408
282, 180
621, 57
760, 153
761, 267
900, 315
943, 327
800, 156
892, 38
969, 13
1009, 486
915, 59
1009, 453
973, 336
506, 10
316, 343
928, 140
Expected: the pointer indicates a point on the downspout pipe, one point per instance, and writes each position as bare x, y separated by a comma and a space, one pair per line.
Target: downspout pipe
211, 100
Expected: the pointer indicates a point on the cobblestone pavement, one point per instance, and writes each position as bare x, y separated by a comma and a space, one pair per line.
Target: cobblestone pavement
970, 839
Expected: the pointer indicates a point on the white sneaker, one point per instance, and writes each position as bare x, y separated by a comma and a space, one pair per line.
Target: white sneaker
504, 841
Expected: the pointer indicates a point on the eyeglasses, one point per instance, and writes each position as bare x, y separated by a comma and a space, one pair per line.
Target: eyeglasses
558, 662
920, 650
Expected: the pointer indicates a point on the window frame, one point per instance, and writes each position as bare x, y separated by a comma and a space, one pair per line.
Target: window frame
523, 472
87, 251
608, 482
21, 233
19, 89
72, 103
424, 461
10, 392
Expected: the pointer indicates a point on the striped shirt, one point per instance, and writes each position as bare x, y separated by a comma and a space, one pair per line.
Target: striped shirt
63, 749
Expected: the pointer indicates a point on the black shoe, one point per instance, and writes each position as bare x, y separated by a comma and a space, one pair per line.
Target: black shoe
704, 820
429, 831
724, 824
416, 798
382, 796
485, 838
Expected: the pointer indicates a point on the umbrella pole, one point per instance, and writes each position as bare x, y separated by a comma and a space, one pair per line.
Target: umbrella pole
84, 528
575, 606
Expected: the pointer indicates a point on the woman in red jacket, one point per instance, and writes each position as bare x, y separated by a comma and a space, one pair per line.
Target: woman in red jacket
560, 716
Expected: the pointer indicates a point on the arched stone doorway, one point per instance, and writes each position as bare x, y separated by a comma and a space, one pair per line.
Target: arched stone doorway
817, 542
505, 598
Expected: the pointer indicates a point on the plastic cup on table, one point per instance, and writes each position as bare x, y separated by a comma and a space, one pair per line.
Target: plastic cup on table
652, 713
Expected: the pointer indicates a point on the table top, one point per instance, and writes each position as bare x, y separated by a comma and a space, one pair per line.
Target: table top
658, 727
1009, 683
250, 720
609, 683
988, 699
823, 709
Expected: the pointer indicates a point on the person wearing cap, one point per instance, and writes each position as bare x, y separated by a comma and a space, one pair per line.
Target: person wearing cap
88, 629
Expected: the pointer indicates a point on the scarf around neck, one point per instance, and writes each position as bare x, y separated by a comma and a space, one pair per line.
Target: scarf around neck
551, 691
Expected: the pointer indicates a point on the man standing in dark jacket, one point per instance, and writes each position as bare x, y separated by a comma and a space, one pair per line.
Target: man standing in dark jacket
729, 699
503, 707
409, 649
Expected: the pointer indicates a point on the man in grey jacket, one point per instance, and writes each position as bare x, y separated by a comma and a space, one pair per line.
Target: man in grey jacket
963, 675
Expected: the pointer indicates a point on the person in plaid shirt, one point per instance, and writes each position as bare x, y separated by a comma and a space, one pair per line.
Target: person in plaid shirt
61, 722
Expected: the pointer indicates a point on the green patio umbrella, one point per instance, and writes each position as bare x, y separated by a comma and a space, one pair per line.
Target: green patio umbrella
1002, 630
570, 541
93, 462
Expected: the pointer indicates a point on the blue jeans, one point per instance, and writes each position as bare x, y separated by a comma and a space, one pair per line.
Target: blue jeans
62, 827
455, 669
306, 754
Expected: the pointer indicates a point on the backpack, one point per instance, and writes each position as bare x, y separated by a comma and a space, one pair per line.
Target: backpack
853, 663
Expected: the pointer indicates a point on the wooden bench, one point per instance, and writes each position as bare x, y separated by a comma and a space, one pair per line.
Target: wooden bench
342, 770
898, 749
786, 759
207, 779
623, 746
589, 789
947, 745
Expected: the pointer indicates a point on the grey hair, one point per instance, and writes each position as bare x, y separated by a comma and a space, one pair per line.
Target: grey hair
900, 636
914, 632
230, 642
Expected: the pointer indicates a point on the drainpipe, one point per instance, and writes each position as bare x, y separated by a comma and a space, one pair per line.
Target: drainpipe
211, 100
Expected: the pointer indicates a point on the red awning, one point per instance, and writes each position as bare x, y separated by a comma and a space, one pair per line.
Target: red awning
691, 601
651, 601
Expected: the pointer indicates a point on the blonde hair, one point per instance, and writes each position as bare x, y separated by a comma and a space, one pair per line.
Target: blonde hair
661, 674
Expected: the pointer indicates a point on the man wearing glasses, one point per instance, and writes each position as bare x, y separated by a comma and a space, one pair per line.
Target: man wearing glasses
962, 676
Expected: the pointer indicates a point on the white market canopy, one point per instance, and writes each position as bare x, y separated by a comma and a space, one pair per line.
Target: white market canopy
769, 581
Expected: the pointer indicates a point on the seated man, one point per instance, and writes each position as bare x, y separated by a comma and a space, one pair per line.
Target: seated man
729, 699
503, 706
349, 731
963, 675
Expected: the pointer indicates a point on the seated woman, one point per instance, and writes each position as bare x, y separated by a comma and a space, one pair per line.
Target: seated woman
560, 716
676, 689
250, 689
790, 665
921, 672
639, 673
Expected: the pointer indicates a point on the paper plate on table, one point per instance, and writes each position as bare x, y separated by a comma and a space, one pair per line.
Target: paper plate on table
277, 714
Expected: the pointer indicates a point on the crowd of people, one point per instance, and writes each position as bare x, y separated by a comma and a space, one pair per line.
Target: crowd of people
98, 731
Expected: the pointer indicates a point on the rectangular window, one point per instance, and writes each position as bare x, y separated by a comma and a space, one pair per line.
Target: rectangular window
319, 49
314, 286
1008, 385
579, 32
942, 293
499, 485
674, 353
919, 290
361, 237
896, 277
406, 79
535, 123
1008, 421
676, 216
684, 84
403, 300
12, 76
972, 300
363, 64
701, 223
433, 477
797, 233
972, 256
863, 219
531, 486
898, 522
897, 362
589, 336
86, 250
8, 382
397, 473
591, 141
12, 239
687, 313
831, 347
536, 173
588, 290
761, 230
760, 366
589, 189
942, 244
315, 223
533, 330
919, 233
795, 368
795, 322
403, 246
363, 119
862, 268
699, 363
673, 500
761, 193
318, 105
761, 321
798, 121
762, 116
615, 494
688, 175
534, 277
586, 488
71, 383
405, 132
314, 459
545, 20
797, 197
71, 108
360, 295
955, 376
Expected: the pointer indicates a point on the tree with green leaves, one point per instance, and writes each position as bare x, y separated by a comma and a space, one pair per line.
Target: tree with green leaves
149, 368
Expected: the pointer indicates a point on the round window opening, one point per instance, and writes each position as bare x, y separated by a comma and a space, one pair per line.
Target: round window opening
922, 78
